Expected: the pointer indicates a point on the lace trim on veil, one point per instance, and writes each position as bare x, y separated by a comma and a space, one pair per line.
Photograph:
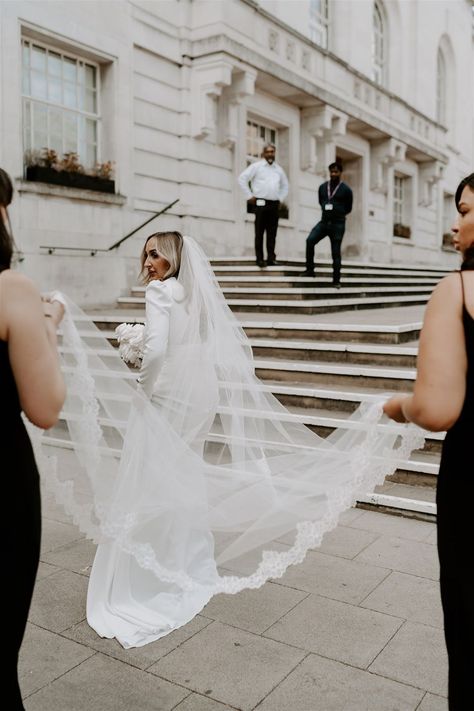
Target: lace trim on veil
370, 461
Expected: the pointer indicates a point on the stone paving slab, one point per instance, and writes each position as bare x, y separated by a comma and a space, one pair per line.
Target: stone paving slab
292, 645
104, 684
416, 655
334, 577
433, 703
59, 601
229, 665
392, 525
194, 702
319, 684
254, 610
337, 630
413, 557
47, 656
140, 657
407, 596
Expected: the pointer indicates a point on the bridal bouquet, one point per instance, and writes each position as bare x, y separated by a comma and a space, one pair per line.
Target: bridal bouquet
130, 339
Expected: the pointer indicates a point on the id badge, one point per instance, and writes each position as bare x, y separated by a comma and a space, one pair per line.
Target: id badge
260, 202
328, 206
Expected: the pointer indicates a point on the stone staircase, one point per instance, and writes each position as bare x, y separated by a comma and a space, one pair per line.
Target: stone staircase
321, 358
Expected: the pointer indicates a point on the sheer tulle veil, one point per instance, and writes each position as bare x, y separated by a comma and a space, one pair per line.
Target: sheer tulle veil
218, 458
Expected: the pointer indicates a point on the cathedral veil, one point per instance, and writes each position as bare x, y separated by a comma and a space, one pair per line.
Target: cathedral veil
219, 459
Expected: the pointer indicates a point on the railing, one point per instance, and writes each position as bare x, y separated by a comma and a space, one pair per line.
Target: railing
93, 250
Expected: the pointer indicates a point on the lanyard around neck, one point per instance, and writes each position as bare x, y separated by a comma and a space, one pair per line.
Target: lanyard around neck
331, 194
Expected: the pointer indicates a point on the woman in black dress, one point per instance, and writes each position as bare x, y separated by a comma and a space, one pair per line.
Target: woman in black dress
31, 382
443, 399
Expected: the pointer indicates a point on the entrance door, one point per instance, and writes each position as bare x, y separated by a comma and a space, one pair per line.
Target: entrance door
353, 242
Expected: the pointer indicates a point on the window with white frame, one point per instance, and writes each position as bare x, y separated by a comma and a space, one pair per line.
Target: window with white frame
401, 207
379, 45
60, 102
441, 88
319, 22
257, 136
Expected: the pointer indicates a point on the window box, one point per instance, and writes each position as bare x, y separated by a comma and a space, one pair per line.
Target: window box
448, 242
43, 174
400, 230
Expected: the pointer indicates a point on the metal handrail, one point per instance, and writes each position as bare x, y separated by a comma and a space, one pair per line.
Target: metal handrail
93, 250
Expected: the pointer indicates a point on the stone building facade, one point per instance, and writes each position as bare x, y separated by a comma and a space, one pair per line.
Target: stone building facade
181, 94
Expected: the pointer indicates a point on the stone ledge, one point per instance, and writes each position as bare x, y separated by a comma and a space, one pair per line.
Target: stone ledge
27, 186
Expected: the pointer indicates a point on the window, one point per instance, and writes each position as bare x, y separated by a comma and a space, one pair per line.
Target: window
60, 102
400, 206
441, 88
379, 49
257, 136
319, 22
449, 214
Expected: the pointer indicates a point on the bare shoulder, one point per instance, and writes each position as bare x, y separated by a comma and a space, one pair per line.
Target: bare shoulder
19, 291
18, 282
448, 292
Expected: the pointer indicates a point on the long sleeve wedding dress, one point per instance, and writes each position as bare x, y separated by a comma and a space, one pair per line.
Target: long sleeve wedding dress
197, 481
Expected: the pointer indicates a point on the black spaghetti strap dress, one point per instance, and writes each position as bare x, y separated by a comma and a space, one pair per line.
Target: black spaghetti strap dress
455, 499
20, 529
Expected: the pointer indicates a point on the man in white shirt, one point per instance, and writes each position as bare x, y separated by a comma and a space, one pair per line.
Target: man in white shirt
264, 184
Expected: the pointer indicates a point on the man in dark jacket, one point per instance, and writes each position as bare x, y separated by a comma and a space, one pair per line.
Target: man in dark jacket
335, 198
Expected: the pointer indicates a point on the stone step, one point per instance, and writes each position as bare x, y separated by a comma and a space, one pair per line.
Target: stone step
386, 378
346, 332
303, 307
309, 350
322, 306
411, 501
283, 270
218, 262
421, 468
321, 282
318, 282
316, 293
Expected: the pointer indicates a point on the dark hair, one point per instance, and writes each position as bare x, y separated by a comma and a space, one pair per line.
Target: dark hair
6, 241
337, 164
468, 256
465, 182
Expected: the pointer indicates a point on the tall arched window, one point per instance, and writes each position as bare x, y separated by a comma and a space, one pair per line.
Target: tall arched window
441, 88
379, 45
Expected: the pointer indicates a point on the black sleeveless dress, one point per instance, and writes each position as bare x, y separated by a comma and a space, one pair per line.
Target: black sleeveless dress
20, 528
455, 500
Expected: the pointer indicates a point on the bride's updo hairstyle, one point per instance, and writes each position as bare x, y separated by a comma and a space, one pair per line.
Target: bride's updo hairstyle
168, 245
468, 257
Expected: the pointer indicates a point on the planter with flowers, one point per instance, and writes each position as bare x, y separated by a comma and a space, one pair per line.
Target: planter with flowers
46, 166
400, 230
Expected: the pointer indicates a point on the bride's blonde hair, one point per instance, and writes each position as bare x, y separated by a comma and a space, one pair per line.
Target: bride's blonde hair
168, 245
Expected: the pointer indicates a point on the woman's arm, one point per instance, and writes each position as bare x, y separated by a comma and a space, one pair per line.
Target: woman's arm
32, 350
440, 386
158, 301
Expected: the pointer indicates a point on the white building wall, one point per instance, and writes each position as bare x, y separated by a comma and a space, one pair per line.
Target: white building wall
179, 80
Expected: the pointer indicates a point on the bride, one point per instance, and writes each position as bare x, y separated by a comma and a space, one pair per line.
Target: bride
196, 480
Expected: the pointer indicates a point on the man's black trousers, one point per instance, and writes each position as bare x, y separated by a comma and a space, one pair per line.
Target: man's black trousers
335, 231
266, 220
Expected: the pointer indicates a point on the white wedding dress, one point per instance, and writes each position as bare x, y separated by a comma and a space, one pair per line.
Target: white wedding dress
198, 481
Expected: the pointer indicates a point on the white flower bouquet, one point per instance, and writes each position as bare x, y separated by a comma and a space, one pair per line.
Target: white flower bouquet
130, 339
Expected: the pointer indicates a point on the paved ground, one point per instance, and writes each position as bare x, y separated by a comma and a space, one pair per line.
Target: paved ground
356, 627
